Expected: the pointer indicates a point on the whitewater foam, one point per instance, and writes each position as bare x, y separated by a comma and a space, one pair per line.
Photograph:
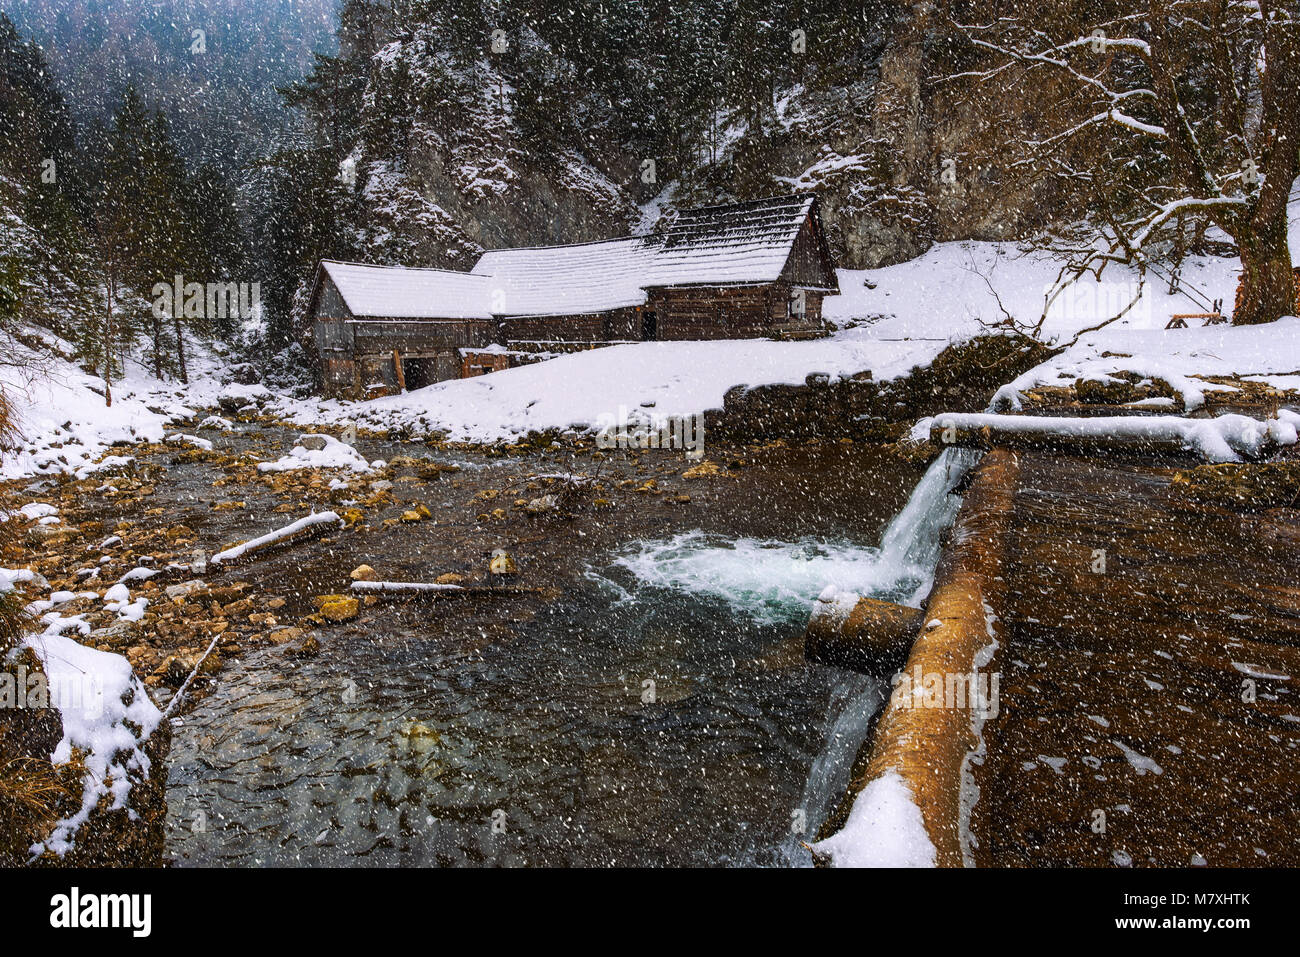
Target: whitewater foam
774, 580
769, 580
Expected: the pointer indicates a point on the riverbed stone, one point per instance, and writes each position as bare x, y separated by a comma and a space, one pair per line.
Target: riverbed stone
284, 635
340, 608
364, 573
502, 563
706, 469
309, 648
193, 587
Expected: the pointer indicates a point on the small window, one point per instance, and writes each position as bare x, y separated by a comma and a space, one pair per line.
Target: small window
797, 306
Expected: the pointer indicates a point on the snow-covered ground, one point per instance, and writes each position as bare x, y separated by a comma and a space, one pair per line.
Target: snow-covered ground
65, 425
953, 292
1267, 353
888, 321
107, 714
670, 378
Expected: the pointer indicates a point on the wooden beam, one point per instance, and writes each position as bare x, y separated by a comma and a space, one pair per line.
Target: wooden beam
861, 634
401, 376
927, 746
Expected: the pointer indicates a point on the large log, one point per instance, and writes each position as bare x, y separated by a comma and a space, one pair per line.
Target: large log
1221, 440
926, 747
861, 634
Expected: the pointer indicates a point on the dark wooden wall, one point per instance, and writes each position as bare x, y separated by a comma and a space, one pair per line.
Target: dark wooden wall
585, 327
731, 312
810, 263
367, 351
329, 303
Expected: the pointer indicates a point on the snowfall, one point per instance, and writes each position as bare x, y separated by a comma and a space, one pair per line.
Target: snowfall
888, 321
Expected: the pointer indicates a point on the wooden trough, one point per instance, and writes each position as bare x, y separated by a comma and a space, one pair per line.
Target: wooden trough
927, 747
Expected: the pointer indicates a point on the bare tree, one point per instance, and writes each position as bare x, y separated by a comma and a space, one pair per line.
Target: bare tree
1197, 100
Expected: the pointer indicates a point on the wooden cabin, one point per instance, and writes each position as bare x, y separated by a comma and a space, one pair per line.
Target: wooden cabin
737, 271
378, 330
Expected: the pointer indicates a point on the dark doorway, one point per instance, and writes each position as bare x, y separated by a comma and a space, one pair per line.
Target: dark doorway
649, 326
419, 373
446, 367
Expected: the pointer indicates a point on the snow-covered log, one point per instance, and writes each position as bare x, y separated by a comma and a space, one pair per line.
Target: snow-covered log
315, 524
436, 590
1227, 438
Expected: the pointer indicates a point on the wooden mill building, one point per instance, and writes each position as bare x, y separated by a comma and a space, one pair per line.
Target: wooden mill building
738, 271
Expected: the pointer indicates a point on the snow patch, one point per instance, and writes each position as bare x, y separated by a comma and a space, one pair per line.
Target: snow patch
884, 829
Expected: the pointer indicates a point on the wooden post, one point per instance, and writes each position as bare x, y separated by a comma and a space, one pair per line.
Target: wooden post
401, 376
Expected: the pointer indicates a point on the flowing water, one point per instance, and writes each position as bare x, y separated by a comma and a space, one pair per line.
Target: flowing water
660, 712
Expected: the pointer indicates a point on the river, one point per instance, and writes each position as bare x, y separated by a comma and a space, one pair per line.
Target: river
660, 712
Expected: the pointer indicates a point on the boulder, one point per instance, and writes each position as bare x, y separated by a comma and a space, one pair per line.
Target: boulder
193, 587
544, 503
502, 563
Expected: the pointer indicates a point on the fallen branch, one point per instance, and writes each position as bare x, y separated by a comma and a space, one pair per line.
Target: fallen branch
305, 528
435, 590
185, 685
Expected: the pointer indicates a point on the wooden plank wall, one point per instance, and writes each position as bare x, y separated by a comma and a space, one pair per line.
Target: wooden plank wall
729, 312
809, 263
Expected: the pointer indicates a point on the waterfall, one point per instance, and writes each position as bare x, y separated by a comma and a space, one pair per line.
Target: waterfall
911, 543
909, 552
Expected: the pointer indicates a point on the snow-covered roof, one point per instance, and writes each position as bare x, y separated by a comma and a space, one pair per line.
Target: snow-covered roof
567, 280
399, 292
736, 243
714, 245
739, 242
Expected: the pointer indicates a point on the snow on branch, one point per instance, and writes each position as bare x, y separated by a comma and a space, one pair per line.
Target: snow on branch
1169, 210
312, 524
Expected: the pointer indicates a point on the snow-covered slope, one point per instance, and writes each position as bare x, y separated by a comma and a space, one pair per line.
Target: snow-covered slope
673, 378
65, 425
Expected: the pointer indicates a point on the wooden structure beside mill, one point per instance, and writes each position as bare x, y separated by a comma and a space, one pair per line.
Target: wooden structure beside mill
739, 271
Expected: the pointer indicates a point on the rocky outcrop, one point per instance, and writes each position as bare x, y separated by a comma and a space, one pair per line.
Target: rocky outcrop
963, 376
901, 153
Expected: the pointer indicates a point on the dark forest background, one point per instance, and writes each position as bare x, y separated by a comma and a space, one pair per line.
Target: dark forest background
232, 139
